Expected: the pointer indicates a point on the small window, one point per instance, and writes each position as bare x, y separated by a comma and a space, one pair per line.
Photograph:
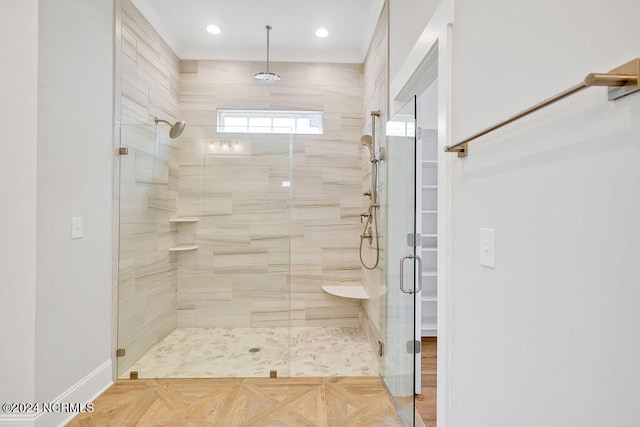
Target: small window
401, 128
270, 121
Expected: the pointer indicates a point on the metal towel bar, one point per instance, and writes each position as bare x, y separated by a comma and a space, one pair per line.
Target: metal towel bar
621, 81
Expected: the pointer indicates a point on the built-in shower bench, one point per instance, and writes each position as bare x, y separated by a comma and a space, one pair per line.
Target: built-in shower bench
353, 292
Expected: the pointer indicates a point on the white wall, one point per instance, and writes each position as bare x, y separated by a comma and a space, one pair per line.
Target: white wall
427, 107
56, 113
407, 19
18, 119
548, 337
75, 160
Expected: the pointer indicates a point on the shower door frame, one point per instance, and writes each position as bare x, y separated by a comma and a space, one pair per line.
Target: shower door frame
433, 50
401, 279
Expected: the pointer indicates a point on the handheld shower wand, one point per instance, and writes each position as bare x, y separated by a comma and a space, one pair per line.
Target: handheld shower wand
370, 231
367, 142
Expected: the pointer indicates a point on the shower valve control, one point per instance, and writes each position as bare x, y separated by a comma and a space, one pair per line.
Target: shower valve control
368, 236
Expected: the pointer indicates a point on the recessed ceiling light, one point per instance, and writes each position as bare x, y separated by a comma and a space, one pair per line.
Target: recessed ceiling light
213, 29
322, 32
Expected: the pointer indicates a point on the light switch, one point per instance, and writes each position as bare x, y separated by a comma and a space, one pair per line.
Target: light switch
487, 251
76, 228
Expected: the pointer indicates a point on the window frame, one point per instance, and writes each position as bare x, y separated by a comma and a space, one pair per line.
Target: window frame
227, 113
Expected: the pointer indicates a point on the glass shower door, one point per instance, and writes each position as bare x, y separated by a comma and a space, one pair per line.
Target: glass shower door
400, 279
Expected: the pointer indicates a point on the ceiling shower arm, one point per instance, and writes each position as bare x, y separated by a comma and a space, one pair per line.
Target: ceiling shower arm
267, 76
268, 27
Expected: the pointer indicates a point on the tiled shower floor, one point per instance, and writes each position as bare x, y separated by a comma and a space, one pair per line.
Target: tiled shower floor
218, 352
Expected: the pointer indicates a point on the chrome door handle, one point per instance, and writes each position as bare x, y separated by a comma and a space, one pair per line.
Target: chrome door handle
409, 291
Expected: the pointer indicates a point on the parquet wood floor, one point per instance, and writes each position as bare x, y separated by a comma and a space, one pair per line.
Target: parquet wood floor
244, 402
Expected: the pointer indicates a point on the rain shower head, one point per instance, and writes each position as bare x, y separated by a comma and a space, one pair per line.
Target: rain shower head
266, 76
367, 141
176, 128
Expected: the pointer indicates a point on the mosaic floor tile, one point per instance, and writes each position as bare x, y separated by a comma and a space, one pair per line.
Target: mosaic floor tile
253, 352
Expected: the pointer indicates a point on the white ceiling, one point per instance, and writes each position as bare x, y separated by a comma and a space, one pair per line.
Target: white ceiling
182, 23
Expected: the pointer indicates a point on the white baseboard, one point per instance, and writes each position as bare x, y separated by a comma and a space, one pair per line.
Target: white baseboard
84, 391
16, 420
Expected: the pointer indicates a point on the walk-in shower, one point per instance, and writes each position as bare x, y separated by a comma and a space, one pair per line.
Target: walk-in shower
205, 263
370, 231
176, 128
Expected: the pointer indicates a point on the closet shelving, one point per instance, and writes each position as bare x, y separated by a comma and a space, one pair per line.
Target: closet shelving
427, 182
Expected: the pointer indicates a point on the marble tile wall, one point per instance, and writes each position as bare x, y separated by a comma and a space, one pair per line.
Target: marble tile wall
238, 276
375, 99
147, 193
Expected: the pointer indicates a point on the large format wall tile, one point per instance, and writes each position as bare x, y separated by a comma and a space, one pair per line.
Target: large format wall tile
147, 306
246, 214
375, 99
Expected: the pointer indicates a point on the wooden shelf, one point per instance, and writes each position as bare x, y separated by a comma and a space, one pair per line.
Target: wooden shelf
183, 248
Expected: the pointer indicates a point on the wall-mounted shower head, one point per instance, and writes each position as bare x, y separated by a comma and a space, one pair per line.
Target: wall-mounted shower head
367, 141
176, 128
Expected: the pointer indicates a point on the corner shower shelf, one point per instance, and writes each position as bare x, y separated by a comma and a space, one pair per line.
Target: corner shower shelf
183, 220
353, 292
183, 248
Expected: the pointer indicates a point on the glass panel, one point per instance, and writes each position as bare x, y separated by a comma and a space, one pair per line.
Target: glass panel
260, 124
235, 124
283, 125
204, 253
147, 277
397, 307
